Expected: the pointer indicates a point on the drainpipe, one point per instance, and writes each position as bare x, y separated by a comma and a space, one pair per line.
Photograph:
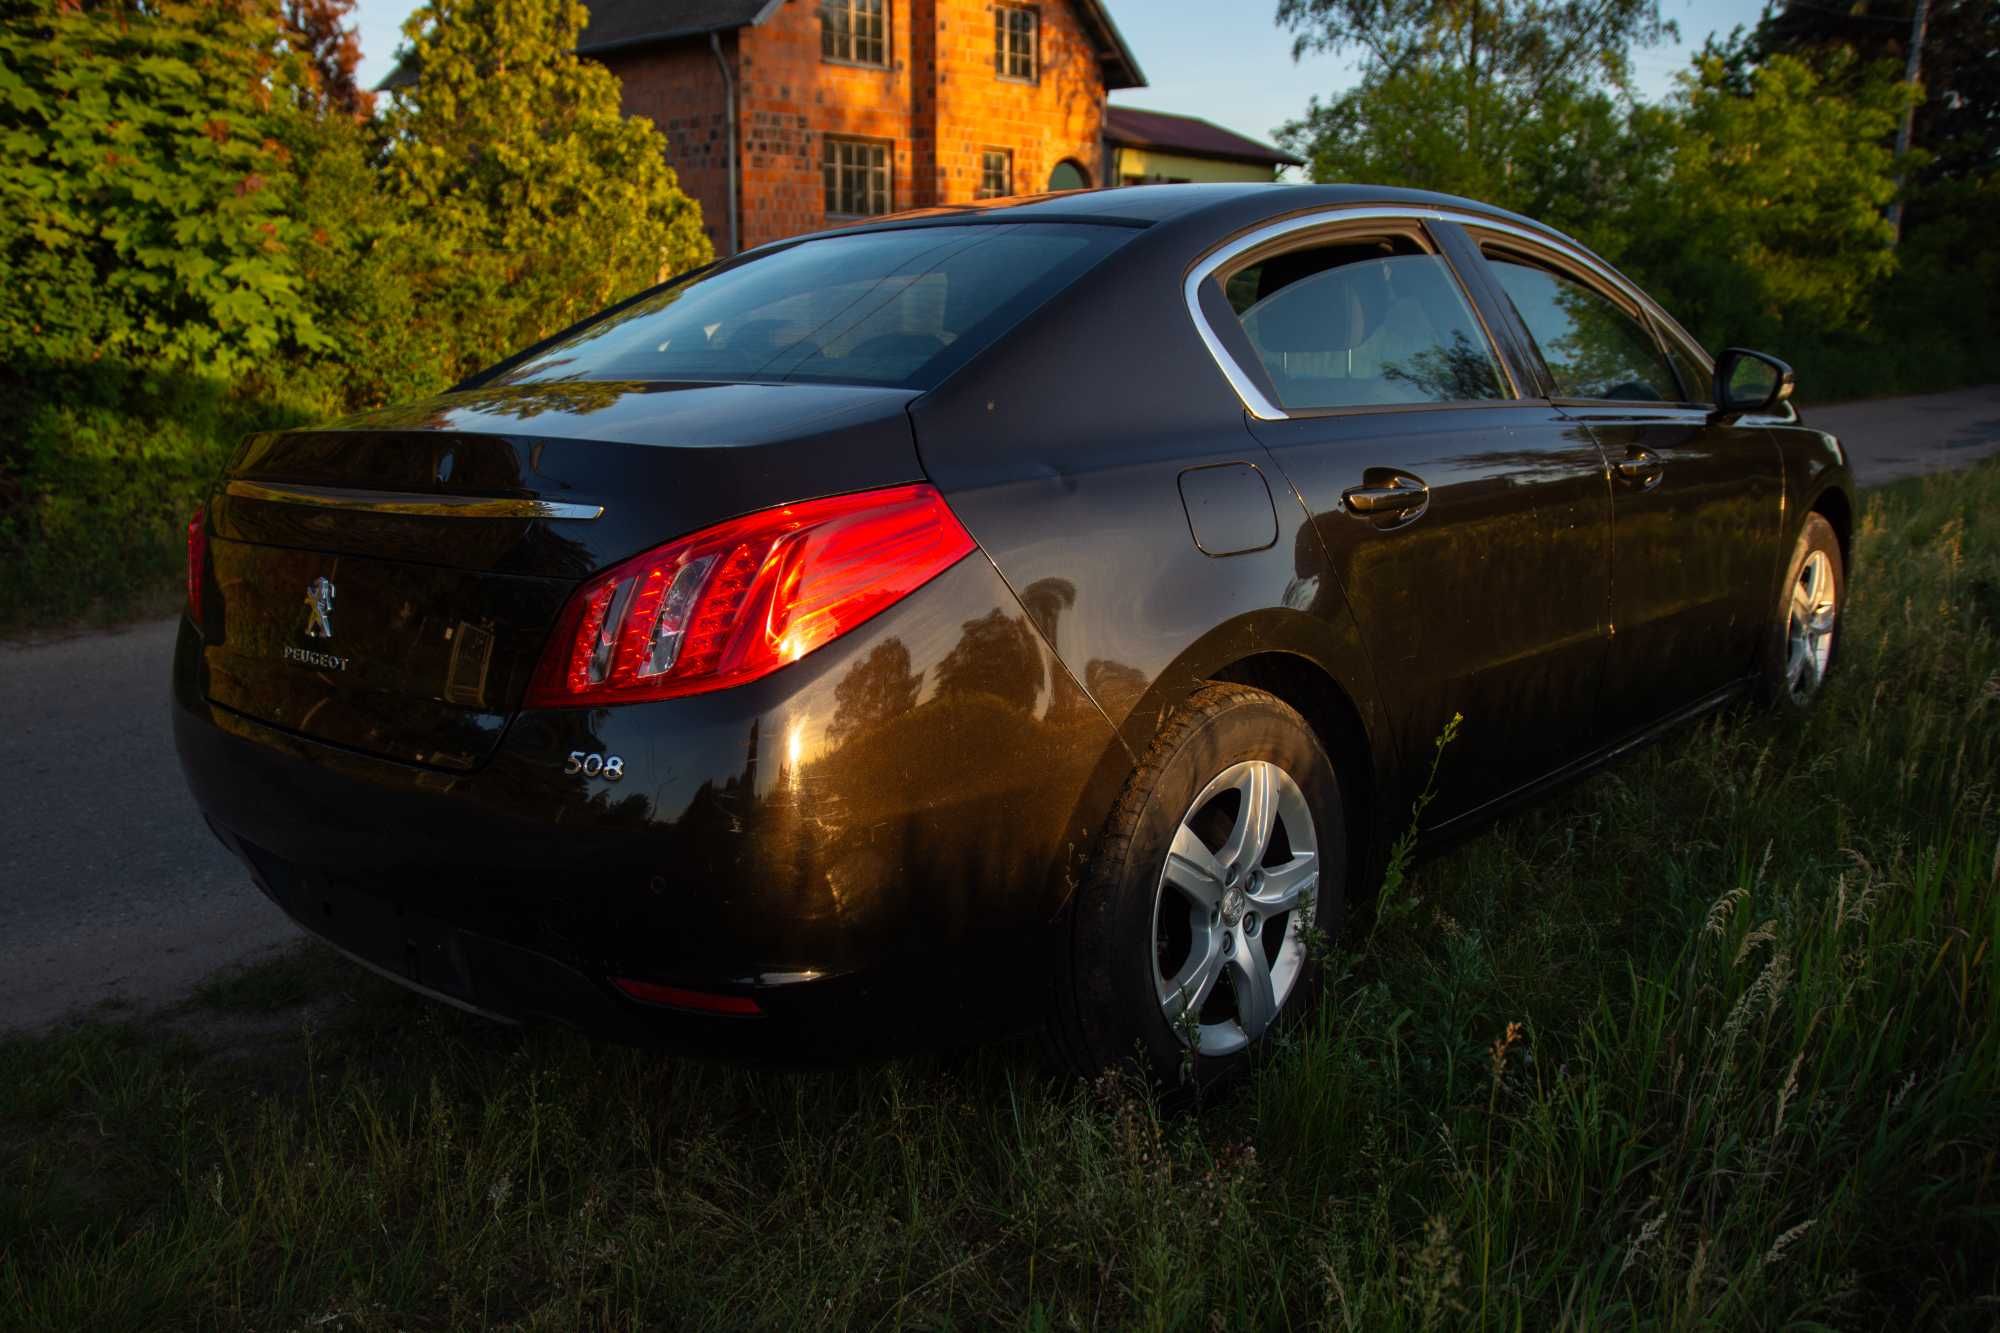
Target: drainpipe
729, 117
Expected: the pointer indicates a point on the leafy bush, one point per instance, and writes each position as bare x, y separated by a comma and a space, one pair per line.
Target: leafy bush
199, 238
147, 192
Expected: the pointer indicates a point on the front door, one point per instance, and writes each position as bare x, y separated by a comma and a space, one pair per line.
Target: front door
1696, 504
1468, 527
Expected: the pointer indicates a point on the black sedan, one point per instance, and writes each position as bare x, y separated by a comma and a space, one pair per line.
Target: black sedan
1032, 614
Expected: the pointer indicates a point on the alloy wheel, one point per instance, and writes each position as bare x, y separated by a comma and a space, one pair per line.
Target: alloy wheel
1234, 906
1811, 613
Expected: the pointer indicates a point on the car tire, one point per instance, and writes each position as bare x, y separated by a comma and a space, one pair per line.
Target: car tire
1805, 633
1149, 939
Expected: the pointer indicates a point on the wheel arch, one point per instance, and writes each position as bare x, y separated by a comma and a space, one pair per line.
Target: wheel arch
1330, 710
1836, 506
1315, 666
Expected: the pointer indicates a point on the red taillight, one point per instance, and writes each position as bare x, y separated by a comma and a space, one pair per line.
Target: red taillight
707, 1002
197, 560
739, 600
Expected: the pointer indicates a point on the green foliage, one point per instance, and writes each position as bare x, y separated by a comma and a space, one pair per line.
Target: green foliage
199, 239
1529, 47
1711, 1041
1958, 120
144, 207
1509, 101
513, 152
1770, 205
1750, 202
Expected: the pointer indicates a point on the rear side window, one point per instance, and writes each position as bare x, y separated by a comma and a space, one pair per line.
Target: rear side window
1363, 323
1592, 347
900, 308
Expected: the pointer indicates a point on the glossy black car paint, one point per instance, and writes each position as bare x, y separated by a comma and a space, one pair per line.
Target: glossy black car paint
906, 811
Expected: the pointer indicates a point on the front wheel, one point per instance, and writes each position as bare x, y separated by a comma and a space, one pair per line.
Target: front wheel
1223, 862
1806, 631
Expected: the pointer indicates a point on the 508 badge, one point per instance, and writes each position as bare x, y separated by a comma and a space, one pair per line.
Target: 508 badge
609, 767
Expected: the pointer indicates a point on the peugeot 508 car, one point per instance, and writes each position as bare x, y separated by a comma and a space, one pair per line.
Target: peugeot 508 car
1005, 615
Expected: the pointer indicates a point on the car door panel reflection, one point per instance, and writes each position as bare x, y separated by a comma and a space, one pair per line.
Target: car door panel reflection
1492, 605
1694, 554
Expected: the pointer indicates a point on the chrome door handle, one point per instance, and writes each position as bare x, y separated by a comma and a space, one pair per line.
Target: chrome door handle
1399, 496
1641, 466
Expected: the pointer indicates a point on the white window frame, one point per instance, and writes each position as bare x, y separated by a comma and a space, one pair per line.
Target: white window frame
853, 14
840, 159
987, 188
1010, 24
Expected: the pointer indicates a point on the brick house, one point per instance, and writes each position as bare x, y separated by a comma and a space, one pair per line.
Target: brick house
805, 112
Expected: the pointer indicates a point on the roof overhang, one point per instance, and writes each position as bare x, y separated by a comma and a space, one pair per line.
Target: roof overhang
1121, 67
682, 33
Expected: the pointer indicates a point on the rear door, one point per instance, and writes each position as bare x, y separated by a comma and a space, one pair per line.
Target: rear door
1468, 523
1696, 502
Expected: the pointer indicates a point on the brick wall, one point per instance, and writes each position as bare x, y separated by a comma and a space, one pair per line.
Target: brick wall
679, 88
939, 106
791, 98
1057, 117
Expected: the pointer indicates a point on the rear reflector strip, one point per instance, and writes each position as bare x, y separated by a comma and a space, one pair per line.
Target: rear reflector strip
413, 502
740, 1006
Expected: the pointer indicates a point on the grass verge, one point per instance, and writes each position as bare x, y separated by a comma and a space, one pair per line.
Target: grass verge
1711, 1040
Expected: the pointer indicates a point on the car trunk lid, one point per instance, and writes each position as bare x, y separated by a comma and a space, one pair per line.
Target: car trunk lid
388, 584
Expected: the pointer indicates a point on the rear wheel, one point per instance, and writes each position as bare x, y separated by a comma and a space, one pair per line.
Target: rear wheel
1805, 633
1191, 941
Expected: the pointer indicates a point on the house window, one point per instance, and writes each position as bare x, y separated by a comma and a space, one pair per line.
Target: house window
1014, 32
996, 173
857, 177
856, 31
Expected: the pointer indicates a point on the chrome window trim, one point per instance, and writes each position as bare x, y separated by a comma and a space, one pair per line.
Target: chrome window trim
1262, 408
1648, 312
412, 502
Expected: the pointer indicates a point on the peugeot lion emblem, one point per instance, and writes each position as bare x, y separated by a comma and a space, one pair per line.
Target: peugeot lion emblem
319, 608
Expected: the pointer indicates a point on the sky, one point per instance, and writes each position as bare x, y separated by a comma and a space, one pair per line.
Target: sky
1222, 60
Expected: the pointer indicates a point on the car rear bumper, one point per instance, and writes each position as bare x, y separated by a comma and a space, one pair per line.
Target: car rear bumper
430, 948
858, 843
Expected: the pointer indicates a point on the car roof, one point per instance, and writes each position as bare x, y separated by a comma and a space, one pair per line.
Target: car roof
1226, 206
1143, 205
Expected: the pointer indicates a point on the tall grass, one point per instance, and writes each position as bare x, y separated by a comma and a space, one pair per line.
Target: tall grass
1709, 1041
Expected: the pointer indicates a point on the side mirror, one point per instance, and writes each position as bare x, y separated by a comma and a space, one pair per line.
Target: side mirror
1750, 382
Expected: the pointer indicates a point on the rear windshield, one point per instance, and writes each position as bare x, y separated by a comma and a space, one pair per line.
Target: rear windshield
900, 308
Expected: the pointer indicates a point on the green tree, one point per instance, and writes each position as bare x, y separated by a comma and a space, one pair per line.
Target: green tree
1511, 101
1769, 208
1958, 118
511, 153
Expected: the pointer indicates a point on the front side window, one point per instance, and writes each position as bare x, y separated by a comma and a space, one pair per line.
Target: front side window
1361, 323
1014, 30
854, 30
899, 307
1591, 345
1697, 381
996, 173
857, 177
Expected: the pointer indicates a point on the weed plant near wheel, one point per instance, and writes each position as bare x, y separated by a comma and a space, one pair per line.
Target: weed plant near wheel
1711, 1041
